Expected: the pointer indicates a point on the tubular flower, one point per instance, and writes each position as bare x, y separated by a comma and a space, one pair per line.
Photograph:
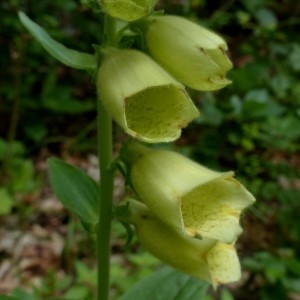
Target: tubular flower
191, 53
204, 258
185, 195
128, 10
143, 99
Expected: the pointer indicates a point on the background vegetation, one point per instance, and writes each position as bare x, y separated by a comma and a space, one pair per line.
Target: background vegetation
252, 127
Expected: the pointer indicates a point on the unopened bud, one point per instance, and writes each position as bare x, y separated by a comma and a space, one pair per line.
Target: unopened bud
128, 10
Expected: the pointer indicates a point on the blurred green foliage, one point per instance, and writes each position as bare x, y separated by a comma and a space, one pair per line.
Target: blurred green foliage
252, 127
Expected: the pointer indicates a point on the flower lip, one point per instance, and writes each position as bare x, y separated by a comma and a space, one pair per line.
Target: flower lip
163, 108
224, 265
217, 214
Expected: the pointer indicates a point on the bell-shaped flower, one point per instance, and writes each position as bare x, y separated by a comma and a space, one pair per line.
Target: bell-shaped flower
204, 258
192, 54
142, 97
128, 10
186, 195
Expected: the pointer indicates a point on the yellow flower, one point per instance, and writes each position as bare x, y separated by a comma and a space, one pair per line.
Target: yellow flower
143, 99
185, 195
128, 10
191, 53
204, 258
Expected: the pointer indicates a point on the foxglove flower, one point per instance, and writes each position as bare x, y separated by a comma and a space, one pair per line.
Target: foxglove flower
185, 195
191, 53
143, 98
204, 258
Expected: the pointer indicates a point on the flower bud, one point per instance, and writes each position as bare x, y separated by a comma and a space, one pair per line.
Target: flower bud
203, 258
143, 99
186, 195
191, 53
128, 10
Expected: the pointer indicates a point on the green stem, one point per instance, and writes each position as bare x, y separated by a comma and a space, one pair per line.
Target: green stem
17, 67
105, 144
110, 29
105, 207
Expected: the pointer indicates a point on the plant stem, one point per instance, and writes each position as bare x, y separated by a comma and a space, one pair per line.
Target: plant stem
105, 205
17, 67
110, 28
105, 145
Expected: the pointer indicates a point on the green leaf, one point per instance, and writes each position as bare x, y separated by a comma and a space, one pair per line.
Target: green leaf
6, 202
226, 295
16, 148
167, 283
85, 273
63, 299
266, 18
77, 191
258, 103
69, 57
8, 298
294, 56
20, 294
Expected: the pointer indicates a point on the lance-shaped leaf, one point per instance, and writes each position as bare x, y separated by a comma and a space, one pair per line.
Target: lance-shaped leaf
167, 283
77, 191
69, 57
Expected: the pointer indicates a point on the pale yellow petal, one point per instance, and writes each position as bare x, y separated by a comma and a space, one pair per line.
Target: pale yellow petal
223, 263
213, 209
171, 246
